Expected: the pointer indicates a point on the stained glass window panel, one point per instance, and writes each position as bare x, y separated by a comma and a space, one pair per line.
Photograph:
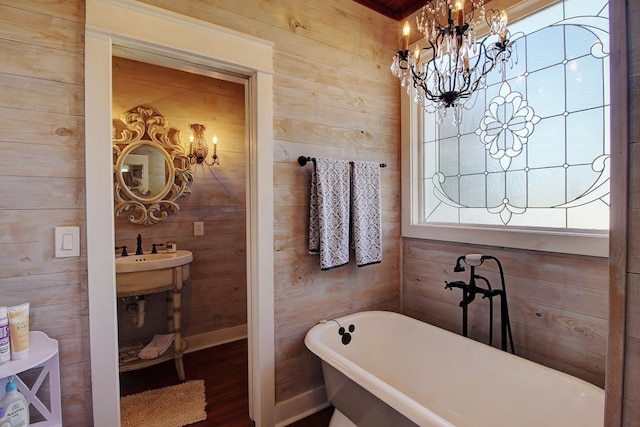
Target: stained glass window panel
552, 39
543, 88
584, 83
533, 150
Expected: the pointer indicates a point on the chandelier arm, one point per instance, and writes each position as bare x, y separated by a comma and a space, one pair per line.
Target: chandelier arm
440, 80
420, 79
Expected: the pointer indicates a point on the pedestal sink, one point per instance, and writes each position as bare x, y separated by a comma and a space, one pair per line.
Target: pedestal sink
151, 273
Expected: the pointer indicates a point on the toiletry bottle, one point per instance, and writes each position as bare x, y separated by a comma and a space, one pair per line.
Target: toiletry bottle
5, 349
4, 419
19, 330
16, 405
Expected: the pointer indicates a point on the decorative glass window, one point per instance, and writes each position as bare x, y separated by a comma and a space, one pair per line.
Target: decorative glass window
533, 150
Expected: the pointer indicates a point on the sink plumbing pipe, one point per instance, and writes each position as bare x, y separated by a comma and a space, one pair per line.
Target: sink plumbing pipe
137, 310
469, 291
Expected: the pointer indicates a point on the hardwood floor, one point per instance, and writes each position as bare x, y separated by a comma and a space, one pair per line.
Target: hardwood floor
224, 371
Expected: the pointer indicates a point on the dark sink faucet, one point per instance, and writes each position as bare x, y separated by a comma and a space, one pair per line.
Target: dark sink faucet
139, 246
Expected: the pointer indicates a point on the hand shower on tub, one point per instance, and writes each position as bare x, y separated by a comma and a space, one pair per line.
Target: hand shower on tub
469, 291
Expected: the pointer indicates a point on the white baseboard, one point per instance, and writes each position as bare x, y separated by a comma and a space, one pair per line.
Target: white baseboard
212, 339
300, 406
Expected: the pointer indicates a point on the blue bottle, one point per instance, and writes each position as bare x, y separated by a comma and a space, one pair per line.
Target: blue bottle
15, 405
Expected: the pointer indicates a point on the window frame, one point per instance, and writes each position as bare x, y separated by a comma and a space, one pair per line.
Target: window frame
591, 243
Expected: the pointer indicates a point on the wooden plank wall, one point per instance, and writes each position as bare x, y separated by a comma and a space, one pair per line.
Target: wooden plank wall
631, 404
42, 180
333, 96
216, 296
557, 302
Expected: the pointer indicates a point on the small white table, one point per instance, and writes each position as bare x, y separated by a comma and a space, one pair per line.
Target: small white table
43, 353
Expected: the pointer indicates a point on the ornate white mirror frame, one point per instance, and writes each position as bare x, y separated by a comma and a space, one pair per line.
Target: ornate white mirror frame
139, 127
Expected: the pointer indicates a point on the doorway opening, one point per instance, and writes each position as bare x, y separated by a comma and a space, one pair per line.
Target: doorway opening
214, 300
119, 24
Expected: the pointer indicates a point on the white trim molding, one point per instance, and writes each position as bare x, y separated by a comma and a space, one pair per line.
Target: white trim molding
191, 45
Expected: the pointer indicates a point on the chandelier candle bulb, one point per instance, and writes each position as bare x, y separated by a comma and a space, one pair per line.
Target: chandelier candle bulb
459, 7
215, 145
406, 30
504, 19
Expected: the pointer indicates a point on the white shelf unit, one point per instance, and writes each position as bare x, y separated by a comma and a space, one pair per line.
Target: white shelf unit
43, 353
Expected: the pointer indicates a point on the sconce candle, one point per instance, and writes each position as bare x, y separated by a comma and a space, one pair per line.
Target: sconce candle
215, 146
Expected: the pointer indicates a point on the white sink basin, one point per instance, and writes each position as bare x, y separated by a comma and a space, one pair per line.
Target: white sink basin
147, 262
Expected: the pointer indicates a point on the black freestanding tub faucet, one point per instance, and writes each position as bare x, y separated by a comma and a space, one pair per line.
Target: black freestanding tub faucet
469, 291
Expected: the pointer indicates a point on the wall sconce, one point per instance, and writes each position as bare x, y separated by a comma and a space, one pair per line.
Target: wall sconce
198, 149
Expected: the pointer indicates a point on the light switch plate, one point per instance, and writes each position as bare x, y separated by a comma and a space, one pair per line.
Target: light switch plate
198, 228
67, 242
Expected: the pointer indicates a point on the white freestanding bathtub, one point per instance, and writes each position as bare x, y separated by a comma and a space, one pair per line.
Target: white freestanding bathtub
397, 371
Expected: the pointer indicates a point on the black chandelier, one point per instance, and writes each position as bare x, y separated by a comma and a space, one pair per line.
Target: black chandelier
455, 63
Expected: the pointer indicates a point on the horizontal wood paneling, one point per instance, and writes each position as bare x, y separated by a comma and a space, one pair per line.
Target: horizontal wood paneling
327, 32
40, 27
557, 303
29, 93
36, 127
41, 81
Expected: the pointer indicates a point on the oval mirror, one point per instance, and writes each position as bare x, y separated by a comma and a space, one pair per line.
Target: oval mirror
151, 168
146, 171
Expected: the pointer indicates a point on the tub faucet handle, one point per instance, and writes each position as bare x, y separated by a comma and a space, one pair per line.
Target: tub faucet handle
124, 250
457, 284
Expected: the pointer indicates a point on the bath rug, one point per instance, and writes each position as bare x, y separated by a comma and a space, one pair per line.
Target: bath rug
173, 406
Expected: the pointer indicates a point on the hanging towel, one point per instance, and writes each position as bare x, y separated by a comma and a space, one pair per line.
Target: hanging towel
366, 213
329, 212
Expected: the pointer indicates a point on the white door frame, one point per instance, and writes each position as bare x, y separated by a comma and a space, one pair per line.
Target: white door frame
128, 24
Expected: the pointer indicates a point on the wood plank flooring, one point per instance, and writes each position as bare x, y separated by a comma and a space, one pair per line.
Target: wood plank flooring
224, 371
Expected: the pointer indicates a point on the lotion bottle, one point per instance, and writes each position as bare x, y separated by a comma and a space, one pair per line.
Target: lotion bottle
5, 349
16, 405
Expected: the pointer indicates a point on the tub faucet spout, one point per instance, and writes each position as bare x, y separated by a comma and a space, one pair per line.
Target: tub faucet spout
468, 298
139, 246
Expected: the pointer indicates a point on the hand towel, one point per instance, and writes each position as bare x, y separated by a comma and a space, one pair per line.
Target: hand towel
329, 212
366, 213
158, 345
